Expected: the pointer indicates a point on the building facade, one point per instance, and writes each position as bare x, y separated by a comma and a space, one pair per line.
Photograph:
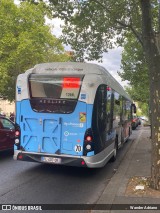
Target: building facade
7, 107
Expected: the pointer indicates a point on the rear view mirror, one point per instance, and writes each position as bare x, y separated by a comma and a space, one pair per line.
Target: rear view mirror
134, 109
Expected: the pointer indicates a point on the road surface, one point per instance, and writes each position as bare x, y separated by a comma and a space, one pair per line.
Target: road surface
34, 183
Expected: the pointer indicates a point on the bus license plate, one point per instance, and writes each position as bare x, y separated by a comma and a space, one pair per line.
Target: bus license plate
51, 160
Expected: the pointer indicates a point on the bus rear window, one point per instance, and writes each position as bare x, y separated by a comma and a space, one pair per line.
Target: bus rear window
55, 87
54, 94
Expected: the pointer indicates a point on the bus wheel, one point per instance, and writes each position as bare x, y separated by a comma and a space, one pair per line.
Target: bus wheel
115, 151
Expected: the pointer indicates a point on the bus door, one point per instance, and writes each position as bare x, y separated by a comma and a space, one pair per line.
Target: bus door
53, 121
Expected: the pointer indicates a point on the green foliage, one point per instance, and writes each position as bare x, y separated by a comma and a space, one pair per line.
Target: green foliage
139, 96
144, 109
93, 26
25, 40
135, 70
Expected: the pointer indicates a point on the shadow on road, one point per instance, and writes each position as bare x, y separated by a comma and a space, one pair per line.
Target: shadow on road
6, 155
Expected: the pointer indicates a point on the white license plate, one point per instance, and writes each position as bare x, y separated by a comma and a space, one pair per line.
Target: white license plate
51, 160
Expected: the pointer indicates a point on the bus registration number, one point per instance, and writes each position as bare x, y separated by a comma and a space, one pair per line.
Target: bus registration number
51, 160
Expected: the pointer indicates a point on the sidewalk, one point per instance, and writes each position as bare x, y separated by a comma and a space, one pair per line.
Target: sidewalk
135, 166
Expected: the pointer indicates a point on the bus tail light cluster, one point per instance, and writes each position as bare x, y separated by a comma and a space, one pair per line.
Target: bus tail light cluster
17, 135
88, 142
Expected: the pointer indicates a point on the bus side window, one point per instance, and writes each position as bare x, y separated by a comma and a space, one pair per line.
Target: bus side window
127, 109
117, 109
109, 113
102, 107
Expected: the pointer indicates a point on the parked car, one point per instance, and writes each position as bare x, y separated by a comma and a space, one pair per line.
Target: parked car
145, 121
135, 122
7, 133
144, 118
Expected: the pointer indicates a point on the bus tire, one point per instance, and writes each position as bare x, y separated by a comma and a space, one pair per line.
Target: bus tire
113, 158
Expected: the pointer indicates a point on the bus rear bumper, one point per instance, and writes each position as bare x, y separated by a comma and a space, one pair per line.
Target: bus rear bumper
95, 161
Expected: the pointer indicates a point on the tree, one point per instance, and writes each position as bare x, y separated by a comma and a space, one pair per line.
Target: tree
25, 40
92, 26
134, 69
151, 49
140, 98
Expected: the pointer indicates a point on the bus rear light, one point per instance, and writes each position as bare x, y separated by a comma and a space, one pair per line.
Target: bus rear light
17, 141
17, 133
108, 89
88, 147
88, 138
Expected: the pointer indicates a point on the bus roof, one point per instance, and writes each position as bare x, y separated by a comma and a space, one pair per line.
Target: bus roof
78, 68
67, 67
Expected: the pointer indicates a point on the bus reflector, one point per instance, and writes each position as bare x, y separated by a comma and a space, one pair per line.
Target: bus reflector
82, 163
71, 82
20, 156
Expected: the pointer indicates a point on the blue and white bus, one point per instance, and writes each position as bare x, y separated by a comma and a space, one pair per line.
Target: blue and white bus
70, 113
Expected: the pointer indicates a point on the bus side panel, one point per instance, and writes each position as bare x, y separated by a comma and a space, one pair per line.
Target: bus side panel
52, 133
73, 130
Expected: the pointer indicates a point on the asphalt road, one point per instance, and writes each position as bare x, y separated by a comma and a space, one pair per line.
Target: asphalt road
34, 183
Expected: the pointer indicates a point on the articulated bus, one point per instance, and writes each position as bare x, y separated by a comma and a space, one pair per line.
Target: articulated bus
70, 113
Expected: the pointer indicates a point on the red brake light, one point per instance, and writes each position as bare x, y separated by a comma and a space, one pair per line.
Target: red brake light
20, 157
88, 138
17, 133
82, 163
71, 82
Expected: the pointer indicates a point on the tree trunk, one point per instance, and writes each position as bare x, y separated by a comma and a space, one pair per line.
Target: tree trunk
153, 61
